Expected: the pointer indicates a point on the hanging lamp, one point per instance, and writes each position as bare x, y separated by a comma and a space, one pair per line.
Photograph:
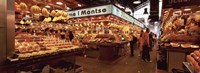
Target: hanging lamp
136, 2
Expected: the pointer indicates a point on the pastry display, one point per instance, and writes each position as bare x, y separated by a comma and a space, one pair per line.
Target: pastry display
185, 45
181, 27
194, 59
166, 44
194, 46
175, 44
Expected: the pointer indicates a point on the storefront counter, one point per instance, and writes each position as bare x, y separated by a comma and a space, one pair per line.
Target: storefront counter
110, 52
175, 56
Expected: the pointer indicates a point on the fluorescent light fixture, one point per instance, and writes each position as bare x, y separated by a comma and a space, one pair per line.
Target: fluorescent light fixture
188, 9
79, 5
136, 2
47, 6
59, 3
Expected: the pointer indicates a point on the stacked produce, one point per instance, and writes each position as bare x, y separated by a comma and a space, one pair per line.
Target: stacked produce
59, 15
17, 7
37, 11
194, 60
23, 6
45, 12
29, 46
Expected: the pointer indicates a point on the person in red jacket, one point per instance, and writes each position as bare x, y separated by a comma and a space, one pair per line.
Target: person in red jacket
145, 46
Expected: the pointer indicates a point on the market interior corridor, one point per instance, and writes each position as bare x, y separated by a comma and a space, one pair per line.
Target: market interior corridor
126, 64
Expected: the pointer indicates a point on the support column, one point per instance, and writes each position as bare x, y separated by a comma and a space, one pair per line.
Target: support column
7, 29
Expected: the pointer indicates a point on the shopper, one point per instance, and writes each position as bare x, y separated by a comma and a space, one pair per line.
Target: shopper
140, 41
145, 45
132, 43
151, 40
62, 34
71, 36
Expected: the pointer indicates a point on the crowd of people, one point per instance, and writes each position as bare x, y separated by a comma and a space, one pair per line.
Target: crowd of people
145, 44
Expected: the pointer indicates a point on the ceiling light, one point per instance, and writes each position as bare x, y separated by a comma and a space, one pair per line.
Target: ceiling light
47, 6
79, 5
188, 9
136, 2
59, 3
68, 8
56, 10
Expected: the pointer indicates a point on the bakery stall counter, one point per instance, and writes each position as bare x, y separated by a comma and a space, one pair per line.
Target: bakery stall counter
175, 54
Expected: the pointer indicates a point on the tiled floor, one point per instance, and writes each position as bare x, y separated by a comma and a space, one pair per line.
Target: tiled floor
126, 64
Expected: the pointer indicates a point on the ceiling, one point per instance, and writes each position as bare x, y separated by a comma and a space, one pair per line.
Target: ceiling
129, 3
73, 4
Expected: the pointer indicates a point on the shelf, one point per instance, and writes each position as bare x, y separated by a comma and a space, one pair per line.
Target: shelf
189, 67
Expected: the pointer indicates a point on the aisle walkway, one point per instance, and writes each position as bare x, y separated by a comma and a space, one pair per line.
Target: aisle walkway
126, 64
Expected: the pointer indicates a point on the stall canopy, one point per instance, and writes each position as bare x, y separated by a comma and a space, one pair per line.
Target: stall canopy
102, 10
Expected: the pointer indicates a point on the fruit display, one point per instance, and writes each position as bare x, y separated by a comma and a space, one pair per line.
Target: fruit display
35, 9
194, 60
40, 45
45, 12
17, 7
59, 15
48, 19
53, 13
23, 6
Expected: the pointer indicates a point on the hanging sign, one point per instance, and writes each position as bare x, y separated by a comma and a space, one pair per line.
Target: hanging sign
91, 11
179, 3
101, 10
116, 11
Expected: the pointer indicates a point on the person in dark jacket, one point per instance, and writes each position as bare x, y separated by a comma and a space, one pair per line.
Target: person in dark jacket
132, 43
71, 36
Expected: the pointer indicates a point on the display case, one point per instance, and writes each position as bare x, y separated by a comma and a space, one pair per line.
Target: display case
180, 32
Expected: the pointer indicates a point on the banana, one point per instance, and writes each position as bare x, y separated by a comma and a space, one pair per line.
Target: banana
53, 13
35, 9
23, 6
45, 12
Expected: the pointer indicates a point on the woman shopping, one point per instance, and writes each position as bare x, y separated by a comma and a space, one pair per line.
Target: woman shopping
145, 46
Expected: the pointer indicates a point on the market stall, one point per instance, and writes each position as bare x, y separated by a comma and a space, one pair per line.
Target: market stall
41, 41
106, 28
180, 32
